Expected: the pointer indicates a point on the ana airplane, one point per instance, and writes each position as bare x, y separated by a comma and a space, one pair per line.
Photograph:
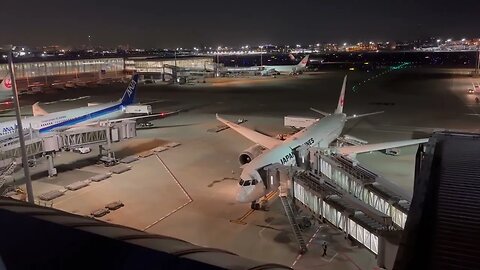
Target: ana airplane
268, 150
85, 116
287, 69
6, 94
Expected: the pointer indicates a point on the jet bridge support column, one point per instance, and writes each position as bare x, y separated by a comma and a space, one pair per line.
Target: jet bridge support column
52, 171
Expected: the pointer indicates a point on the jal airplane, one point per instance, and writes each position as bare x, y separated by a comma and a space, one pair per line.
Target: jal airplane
267, 151
287, 69
46, 122
6, 94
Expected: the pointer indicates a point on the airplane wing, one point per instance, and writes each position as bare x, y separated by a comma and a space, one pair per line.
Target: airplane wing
362, 115
356, 149
145, 118
256, 137
148, 117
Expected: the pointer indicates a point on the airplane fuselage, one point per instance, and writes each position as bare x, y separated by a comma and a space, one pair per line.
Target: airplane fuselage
285, 69
320, 134
64, 119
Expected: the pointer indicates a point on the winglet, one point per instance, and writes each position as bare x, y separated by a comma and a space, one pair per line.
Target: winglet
341, 99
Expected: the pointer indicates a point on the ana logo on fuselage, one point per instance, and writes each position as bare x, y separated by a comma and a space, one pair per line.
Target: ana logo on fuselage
131, 87
9, 129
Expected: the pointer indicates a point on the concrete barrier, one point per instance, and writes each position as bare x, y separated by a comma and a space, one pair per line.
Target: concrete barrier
172, 144
51, 195
120, 169
100, 177
159, 149
78, 185
100, 212
114, 205
146, 154
129, 159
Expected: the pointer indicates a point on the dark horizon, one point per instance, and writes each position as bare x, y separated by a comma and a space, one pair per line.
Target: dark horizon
152, 24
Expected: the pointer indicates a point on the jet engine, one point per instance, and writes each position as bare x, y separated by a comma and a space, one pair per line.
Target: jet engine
250, 153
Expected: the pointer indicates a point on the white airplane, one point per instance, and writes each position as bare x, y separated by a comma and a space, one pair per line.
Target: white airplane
268, 150
287, 69
85, 116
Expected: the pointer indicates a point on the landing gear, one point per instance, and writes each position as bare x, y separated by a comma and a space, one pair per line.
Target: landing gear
262, 205
255, 205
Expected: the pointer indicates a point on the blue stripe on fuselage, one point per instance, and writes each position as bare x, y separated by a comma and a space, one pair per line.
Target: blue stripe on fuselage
83, 118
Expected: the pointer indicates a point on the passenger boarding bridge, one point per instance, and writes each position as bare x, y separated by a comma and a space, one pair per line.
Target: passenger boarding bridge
46, 145
350, 197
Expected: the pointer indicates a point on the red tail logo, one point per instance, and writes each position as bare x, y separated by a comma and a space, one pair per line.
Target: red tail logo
8, 83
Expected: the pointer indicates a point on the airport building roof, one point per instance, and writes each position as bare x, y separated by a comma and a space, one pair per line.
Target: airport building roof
46, 238
443, 225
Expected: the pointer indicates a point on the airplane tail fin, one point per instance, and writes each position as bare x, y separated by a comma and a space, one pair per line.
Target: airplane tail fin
342, 97
304, 61
6, 84
129, 95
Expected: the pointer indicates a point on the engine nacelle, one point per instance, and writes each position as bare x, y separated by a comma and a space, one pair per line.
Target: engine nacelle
250, 153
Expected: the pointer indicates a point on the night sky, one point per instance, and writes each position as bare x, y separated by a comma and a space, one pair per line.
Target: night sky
188, 23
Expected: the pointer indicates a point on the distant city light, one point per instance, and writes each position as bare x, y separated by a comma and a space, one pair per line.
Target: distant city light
463, 39
438, 40
298, 45
449, 40
344, 44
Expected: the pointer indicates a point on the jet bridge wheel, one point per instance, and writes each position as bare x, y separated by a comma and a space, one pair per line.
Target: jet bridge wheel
255, 205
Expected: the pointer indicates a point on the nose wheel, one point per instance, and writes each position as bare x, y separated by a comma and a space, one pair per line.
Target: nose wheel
262, 205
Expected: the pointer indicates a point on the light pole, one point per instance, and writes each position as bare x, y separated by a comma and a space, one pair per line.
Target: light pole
478, 59
261, 56
26, 170
218, 63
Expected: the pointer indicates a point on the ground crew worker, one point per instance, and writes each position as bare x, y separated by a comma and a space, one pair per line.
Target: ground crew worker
324, 245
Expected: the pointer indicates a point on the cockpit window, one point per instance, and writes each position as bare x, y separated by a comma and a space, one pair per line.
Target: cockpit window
246, 183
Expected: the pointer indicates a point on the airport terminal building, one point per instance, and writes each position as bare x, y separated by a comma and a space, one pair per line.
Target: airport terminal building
159, 65
56, 67
48, 70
